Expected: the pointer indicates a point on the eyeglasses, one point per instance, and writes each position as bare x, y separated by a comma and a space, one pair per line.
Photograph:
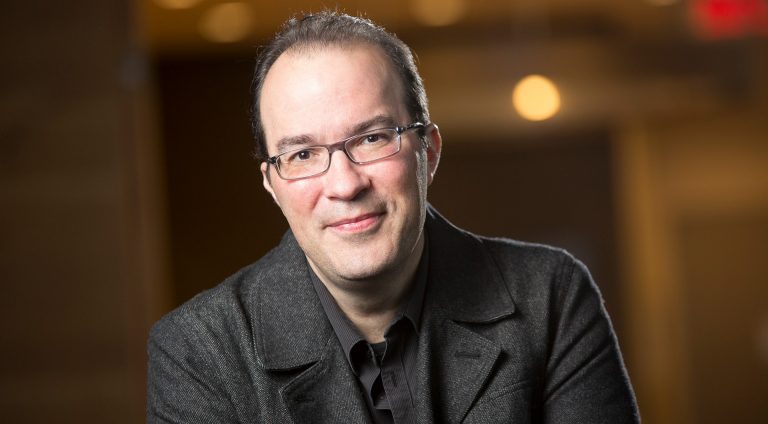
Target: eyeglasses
367, 147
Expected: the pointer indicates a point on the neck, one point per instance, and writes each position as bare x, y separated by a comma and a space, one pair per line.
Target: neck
371, 305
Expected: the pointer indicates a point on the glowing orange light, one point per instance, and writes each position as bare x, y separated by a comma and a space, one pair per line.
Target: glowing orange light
177, 4
227, 22
536, 98
438, 12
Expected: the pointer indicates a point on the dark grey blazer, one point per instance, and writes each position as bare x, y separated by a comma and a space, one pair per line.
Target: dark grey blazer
511, 333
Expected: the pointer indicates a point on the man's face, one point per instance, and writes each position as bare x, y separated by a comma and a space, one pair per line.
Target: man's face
354, 222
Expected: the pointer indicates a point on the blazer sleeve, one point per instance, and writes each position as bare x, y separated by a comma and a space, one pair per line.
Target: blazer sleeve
586, 380
183, 385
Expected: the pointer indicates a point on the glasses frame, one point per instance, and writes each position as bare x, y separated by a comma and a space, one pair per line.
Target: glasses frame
342, 145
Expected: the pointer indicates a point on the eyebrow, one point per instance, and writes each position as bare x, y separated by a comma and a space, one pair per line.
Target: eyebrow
290, 142
380, 121
286, 143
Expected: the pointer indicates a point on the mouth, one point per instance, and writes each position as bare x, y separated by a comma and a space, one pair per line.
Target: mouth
358, 223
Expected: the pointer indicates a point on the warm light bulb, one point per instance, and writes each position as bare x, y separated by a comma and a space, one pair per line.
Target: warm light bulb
227, 22
438, 12
536, 98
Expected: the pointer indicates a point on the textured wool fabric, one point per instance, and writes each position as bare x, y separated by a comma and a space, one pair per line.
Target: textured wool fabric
511, 332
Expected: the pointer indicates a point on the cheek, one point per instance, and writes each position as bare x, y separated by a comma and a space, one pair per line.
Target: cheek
416, 173
297, 199
407, 183
396, 178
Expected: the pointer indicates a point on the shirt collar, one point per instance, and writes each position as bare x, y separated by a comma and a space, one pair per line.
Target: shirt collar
414, 301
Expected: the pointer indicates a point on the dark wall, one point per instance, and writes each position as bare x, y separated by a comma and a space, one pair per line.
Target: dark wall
74, 308
220, 217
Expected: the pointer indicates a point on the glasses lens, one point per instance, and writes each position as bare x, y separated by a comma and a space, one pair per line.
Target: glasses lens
303, 163
366, 147
374, 145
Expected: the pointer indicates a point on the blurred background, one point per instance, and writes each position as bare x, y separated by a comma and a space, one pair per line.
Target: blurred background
633, 133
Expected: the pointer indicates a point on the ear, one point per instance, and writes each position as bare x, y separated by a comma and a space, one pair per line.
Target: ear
434, 147
266, 181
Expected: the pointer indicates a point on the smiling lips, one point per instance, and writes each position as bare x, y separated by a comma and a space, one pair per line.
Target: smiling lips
357, 224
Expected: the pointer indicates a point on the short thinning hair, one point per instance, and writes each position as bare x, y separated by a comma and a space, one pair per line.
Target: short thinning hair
327, 29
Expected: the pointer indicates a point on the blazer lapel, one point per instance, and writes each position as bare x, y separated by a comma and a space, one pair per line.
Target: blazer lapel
465, 287
326, 392
293, 335
455, 364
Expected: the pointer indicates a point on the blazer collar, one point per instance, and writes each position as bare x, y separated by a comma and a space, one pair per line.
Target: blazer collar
465, 286
465, 280
292, 333
290, 327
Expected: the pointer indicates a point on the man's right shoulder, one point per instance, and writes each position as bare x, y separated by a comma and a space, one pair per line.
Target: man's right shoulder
202, 355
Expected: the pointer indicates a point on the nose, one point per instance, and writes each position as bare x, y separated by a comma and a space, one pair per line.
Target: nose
344, 179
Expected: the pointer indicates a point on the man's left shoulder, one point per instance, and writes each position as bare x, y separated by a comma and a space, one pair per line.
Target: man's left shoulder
532, 261
528, 270
527, 254
540, 277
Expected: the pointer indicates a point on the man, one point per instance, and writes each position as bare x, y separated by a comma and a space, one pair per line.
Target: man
373, 308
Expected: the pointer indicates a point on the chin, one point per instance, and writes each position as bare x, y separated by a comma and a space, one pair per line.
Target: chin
364, 270
360, 273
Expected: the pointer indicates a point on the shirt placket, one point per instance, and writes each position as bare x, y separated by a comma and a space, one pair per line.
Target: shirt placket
395, 384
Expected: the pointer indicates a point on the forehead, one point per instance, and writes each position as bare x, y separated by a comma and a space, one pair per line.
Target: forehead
323, 91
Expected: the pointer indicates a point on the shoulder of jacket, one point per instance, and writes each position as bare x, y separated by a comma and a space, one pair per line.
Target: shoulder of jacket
533, 271
218, 306
526, 255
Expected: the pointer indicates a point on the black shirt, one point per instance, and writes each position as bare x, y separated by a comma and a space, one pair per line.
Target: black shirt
384, 370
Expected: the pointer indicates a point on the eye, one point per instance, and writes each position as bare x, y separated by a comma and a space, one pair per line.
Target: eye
378, 137
300, 156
